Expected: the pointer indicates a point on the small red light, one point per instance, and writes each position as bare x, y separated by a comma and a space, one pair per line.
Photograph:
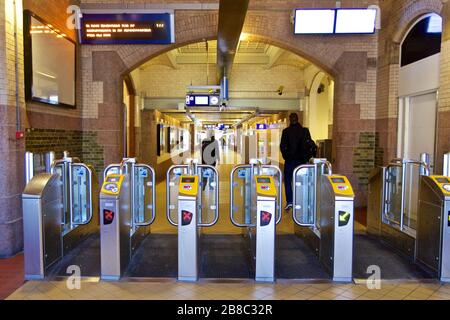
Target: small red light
20, 135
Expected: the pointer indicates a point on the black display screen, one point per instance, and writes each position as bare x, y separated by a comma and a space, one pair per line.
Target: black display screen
442, 180
187, 180
338, 180
104, 29
263, 180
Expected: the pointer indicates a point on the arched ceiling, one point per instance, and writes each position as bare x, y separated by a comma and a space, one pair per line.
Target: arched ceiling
249, 52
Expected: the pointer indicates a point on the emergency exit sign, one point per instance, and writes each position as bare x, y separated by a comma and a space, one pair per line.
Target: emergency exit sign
127, 28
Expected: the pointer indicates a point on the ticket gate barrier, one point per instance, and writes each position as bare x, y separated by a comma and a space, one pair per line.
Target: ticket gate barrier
193, 197
58, 214
258, 187
323, 204
127, 210
433, 226
36, 163
393, 203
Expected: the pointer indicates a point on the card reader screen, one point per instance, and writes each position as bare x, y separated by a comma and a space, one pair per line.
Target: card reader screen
263, 180
443, 180
113, 179
187, 180
338, 180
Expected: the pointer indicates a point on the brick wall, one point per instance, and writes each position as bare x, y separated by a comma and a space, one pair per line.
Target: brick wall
11, 150
81, 144
163, 81
397, 16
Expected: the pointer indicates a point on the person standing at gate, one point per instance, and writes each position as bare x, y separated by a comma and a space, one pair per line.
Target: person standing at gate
297, 149
210, 154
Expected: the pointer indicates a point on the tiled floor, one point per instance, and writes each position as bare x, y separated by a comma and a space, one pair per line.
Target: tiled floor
11, 275
241, 291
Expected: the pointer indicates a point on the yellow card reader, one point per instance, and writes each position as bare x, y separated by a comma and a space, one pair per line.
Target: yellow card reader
188, 186
443, 183
265, 186
113, 184
341, 186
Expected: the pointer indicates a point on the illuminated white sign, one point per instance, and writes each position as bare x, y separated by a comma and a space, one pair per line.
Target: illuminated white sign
356, 20
311, 21
335, 21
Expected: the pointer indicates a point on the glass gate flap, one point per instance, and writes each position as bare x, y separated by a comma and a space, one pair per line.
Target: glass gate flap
394, 192
81, 194
243, 195
305, 196
208, 202
401, 194
144, 194
244, 211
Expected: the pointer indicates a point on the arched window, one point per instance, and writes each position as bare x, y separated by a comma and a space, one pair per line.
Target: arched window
423, 40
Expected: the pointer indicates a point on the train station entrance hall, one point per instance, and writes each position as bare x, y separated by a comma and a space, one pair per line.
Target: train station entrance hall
225, 150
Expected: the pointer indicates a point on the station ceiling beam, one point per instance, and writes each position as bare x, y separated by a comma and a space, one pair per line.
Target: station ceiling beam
232, 15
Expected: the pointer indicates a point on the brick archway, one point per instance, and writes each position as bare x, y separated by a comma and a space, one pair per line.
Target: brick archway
351, 63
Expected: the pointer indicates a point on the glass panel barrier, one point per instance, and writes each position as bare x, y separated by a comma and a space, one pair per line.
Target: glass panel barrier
81, 194
60, 170
244, 211
412, 183
207, 195
305, 194
143, 194
393, 196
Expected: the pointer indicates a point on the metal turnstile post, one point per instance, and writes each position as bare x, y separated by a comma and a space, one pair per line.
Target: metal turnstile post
115, 223
433, 226
266, 211
189, 214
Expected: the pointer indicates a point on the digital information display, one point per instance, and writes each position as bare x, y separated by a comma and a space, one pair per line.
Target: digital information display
110, 29
202, 100
113, 179
335, 21
187, 180
442, 180
263, 180
338, 180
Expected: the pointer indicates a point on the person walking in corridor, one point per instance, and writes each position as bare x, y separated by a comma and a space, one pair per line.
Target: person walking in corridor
297, 149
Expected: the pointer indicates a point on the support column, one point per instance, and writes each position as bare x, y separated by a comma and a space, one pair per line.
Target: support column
12, 113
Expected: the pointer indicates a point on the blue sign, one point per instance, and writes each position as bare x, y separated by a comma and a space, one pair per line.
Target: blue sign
261, 126
207, 174
110, 29
242, 173
143, 173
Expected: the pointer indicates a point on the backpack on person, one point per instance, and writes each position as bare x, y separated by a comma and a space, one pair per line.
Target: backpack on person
309, 146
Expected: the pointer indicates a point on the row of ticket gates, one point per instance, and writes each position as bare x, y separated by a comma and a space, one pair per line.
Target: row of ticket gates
63, 207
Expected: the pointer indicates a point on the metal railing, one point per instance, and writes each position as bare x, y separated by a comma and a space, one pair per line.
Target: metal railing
314, 164
122, 168
67, 165
255, 165
404, 164
192, 169
294, 198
